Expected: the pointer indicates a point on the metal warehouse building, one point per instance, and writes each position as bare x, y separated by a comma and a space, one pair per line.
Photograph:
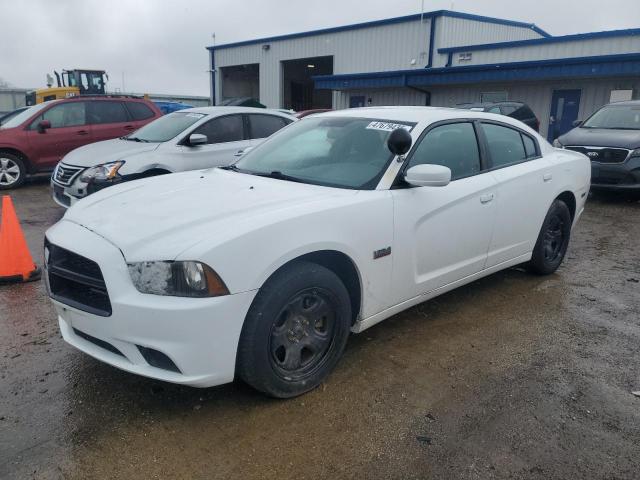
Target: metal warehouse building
440, 58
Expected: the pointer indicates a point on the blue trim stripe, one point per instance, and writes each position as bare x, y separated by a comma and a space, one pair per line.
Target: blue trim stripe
386, 21
543, 41
596, 66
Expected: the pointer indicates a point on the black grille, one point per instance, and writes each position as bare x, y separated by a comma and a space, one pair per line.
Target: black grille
66, 173
98, 342
603, 155
76, 281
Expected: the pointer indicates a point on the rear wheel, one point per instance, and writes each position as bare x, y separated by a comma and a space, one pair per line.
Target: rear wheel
295, 331
12, 171
553, 240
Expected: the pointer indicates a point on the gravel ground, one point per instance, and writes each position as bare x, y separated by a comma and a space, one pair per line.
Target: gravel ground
513, 376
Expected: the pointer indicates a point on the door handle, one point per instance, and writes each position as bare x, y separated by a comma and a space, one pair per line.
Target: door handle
547, 177
82, 132
486, 198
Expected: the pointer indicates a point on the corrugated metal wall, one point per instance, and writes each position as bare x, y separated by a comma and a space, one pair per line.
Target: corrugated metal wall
11, 98
386, 47
578, 48
381, 97
454, 32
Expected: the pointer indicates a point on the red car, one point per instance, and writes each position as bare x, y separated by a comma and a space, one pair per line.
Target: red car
35, 140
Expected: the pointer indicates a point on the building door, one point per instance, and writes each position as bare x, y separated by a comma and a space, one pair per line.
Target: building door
565, 105
356, 101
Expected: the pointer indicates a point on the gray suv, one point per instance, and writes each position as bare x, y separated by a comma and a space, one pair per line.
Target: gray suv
611, 140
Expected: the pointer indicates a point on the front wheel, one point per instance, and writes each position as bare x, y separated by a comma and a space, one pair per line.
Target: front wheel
295, 331
12, 171
553, 240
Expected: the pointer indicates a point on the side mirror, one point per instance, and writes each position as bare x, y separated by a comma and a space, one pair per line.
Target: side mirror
43, 125
576, 123
427, 175
399, 141
196, 139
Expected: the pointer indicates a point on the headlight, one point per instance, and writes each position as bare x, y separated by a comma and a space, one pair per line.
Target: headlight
635, 153
178, 279
106, 171
557, 144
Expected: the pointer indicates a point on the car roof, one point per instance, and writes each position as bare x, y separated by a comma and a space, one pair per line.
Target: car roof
416, 114
219, 110
625, 103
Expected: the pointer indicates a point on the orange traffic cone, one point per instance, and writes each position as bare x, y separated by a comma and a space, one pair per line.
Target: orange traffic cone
16, 264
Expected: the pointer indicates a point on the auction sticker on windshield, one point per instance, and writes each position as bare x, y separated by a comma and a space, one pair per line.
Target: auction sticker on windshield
386, 126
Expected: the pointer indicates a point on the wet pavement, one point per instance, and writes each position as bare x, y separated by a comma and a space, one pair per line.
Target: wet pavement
513, 376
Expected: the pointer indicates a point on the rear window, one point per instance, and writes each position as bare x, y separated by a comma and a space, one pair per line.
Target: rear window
107, 112
139, 111
262, 126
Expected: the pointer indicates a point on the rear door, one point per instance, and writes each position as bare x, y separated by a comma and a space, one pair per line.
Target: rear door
442, 234
69, 130
140, 113
524, 190
109, 119
226, 136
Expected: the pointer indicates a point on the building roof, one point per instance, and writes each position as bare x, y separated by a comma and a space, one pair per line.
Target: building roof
387, 21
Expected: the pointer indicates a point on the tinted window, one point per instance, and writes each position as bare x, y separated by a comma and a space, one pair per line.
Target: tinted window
505, 145
523, 113
508, 109
529, 146
139, 111
453, 145
107, 112
494, 110
262, 126
63, 115
223, 129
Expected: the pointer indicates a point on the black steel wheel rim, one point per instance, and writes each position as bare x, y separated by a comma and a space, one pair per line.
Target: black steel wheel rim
302, 333
554, 238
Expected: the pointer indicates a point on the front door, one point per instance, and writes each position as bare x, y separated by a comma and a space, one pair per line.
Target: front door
565, 105
442, 234
356, 101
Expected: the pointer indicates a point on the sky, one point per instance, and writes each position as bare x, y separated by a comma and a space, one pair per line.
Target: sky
158, 46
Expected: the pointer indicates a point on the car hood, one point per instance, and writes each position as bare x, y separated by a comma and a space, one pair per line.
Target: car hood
160, 217
601, 137
106, 151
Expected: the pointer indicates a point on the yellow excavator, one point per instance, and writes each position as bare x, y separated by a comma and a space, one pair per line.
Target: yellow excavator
70, 84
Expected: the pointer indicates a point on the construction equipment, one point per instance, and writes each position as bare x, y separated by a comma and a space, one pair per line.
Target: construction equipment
70, 84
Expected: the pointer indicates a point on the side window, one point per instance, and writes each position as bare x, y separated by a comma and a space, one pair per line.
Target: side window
508, 109
70, 114
107, 112
494, 110
262, 126
529, 146
229, 128
505, 145
453, 145
139, 111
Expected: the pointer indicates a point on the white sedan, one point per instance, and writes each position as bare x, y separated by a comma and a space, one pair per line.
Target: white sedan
190, 139
261, 269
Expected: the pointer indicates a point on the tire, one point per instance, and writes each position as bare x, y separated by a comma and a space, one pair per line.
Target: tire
553, 240
295, 331
12, 171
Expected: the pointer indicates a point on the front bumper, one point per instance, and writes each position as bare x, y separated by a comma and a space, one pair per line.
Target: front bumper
623, 176
200, 336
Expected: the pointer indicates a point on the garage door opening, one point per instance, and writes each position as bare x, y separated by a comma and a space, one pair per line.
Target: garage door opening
298, 90
241, 81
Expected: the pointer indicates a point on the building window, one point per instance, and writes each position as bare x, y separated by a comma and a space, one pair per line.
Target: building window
620, 95
490, 97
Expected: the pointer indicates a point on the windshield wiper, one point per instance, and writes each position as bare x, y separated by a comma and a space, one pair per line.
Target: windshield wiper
233, 168
135, 139
278, 175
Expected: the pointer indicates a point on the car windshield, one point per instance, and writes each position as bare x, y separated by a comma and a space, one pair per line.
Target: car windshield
620, 117
22, 116
344, 152
165, 128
